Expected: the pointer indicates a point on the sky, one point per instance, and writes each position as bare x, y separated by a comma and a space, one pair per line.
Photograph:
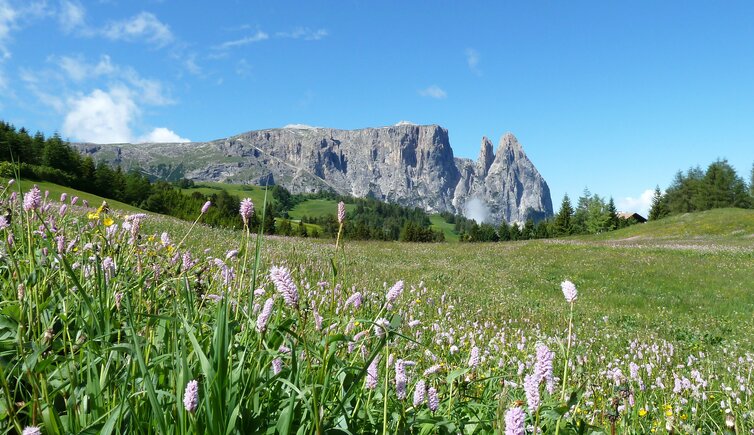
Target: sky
606, 95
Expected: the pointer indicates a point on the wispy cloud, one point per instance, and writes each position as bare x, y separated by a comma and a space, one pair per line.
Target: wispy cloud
472, 60
142, 27
304, 33
8, 22
250, 39
72, 17
433, 91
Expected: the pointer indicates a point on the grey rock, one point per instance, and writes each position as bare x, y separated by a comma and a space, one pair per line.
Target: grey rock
407, 164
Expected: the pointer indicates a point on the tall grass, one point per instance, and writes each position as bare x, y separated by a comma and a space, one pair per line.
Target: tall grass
103, 326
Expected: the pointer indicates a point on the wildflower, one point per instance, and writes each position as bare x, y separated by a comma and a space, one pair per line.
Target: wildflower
474, 357
11, 181
63, 197
432, 370
543, 366
74, 200
432, 400
191, 396
355, 300
60, 242
569, 291
400, 379
642, 412
531, 387
341, 212
31, 430
246, 210
32, 199
514, 421
107, 221
420, 389
3, 223
21, 292
277, 366
394, 292
284, 284
370, 382
730, 421
206, 206
63, 209
165, 239
264, 316
317, 317
118, 297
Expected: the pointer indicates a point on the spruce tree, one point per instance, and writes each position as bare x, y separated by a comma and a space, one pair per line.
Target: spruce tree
562, 225
659, 207
504, 232
612, 213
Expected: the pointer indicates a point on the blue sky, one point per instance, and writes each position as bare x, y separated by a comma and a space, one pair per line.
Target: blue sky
616, 96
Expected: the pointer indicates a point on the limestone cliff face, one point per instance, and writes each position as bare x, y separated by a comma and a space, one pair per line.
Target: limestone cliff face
407, 164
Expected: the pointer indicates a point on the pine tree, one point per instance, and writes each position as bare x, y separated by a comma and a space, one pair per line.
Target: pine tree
659, 207
504, 232
562, 225
612, 215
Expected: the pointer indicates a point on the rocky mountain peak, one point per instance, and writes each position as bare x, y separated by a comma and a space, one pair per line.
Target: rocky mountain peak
486, 157
412, 165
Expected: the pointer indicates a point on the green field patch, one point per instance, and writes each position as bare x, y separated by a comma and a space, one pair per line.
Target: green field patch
315, 208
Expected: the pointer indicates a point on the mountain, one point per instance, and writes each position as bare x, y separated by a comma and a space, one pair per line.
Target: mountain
412, 165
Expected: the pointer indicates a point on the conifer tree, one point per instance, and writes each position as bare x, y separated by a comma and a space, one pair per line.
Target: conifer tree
562, 225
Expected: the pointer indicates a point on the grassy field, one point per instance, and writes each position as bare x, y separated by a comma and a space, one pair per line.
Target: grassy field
317, 208
55, 191
445, 338
439, 224
256, 193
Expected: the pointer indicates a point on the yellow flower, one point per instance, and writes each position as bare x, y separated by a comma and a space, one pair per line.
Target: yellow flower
669, 412
108, 221
356, 323
684, 417
93, 216
642, 412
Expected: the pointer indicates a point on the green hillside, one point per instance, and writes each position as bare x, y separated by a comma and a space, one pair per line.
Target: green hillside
440, 224
56, 189
315, 208
256, 193
729, 223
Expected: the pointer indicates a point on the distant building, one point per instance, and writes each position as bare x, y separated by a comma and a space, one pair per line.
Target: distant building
635, 216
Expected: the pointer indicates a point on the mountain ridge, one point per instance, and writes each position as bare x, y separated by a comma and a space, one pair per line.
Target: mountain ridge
409, 164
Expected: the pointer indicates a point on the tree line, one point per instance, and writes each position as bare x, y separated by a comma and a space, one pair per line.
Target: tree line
719, 186
592, 215
53, 159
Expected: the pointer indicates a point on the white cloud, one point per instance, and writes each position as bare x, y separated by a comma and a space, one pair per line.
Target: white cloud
101, 116
72, 16
79, 70
301, 127
144, 26
639, 205
8, 19
162, 135
472, 60
259, 36
76, 68
433, 91
304, 33
108, 117
404, 123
